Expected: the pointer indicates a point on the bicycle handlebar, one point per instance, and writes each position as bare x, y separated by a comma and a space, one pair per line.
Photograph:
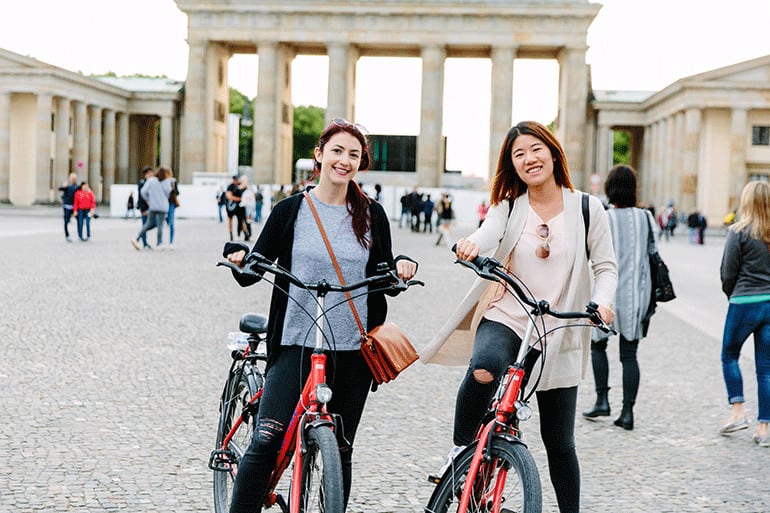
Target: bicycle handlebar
254, 264
490, 269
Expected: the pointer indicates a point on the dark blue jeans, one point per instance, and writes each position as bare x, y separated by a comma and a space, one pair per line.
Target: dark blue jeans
67, 216
350, 380
496, 346
744, 320
84, 218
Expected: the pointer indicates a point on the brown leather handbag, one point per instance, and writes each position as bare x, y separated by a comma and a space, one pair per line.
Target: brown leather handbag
386, 349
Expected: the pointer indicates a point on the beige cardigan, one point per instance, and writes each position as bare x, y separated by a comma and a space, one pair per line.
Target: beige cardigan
568, 349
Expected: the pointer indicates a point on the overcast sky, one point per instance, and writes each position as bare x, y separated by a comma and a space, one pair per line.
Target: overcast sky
634, 45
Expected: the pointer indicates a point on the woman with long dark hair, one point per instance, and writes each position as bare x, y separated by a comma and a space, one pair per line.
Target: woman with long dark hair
534, 225
359, 233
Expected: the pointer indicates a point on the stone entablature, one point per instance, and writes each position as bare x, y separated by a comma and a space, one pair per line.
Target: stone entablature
431, 30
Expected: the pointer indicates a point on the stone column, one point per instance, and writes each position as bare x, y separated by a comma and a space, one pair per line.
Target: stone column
646, 182
502, 102
342, 81
95, 148
108, 155
61, 167
197, 113
124, 175
430, 143
736, 176
43, 192
692, 129
573, 101
603, 151
266, 115
167, 141
80, 138
5, 144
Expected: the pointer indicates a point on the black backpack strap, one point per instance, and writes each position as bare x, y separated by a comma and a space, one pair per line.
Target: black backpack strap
586, 218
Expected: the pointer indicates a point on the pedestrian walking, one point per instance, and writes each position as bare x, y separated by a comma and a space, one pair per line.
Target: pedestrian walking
535, 224
155, 192
482, 210
173, 204
427, 214
144, 174
84, 207
130, 208
233, 206
221, 203
445, 216
745, 275
630, 228
68, 190
259, 201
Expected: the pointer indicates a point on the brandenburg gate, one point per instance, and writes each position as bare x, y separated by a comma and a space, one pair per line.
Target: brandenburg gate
433, 30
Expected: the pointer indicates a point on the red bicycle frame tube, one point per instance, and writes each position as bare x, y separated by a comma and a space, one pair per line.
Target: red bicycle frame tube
505, 408
292, 444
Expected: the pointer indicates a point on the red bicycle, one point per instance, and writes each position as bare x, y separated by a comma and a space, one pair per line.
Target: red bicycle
311, 436
496, 473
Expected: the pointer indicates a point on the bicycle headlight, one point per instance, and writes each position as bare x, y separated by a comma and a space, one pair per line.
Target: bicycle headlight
323, 393
523, 411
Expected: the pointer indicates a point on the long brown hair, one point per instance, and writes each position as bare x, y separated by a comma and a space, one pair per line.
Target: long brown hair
755, 211
507, 184
357, 200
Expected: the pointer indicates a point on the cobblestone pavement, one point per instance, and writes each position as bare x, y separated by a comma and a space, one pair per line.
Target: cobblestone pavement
112, 362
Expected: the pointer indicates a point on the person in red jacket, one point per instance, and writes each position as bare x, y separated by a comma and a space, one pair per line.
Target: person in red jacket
84, 207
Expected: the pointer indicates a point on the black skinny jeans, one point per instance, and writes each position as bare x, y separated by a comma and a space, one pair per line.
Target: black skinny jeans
283, 385
629, 362
495, 348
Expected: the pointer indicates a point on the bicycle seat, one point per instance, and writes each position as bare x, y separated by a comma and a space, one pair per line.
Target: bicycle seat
253, 323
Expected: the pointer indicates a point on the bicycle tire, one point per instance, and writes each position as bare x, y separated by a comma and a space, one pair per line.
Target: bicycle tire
522, 492
245, 382
321, 484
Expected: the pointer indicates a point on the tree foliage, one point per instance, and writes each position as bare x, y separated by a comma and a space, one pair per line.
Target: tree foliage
308, 125
621, 147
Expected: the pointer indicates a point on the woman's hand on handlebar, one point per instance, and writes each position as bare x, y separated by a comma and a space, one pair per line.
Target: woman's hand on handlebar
466, 249
237, 257
607, 314
406, 269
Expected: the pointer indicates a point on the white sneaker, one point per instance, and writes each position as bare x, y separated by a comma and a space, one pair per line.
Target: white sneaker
171, 247
160, 247
457, 449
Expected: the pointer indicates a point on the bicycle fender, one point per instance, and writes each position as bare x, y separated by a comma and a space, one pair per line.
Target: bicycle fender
313, 425
509, 438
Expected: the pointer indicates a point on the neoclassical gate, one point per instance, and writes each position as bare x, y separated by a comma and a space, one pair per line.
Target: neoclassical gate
278, 30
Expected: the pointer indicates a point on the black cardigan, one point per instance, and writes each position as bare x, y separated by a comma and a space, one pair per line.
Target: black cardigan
276, 241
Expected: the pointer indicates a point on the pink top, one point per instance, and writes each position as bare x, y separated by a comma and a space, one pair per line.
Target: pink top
545, 277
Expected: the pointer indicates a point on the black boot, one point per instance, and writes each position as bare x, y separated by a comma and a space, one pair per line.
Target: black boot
601, 407
626, 419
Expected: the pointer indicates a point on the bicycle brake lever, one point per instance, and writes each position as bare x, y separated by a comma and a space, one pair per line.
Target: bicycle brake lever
477, 268
415, 282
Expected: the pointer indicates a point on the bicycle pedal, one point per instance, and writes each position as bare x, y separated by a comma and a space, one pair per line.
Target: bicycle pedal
221, 460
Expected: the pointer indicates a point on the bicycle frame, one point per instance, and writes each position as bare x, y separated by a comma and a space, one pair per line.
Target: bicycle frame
309, 411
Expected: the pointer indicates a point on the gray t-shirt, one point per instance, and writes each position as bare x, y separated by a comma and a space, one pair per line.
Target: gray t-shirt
311, 262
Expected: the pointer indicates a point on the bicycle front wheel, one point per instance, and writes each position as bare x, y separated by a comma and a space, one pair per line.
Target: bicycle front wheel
321, 487
248, 381
508, 482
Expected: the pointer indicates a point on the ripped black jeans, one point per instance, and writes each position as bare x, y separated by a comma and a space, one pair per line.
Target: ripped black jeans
495, 348
284, 381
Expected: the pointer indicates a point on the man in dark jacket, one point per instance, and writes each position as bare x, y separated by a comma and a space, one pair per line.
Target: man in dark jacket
68, 190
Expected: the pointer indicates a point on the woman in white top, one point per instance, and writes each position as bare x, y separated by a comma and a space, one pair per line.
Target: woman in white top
535, 225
